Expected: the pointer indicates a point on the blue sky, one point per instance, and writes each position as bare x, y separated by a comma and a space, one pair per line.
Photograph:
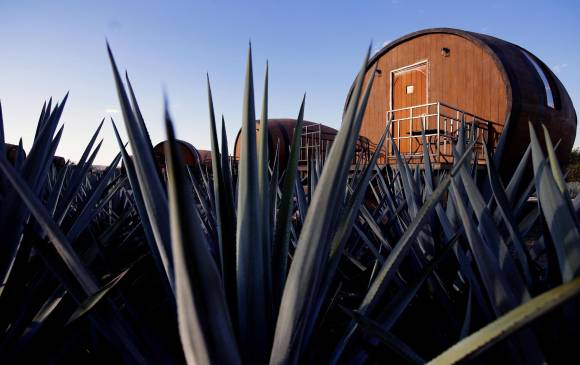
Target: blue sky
49, 48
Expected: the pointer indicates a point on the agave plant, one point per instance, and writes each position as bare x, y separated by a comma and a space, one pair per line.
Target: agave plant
369, 264
292, 287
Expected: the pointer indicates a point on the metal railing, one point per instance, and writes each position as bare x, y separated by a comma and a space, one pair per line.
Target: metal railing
441, 123
315, 144
312, 145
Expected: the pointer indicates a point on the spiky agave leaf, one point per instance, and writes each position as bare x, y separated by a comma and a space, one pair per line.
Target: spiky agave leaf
306, 272
562, 223
142, 211
503, 207
343, 232
79, 173
251, 268
204, 323
227, 172
282, 228
508, 323
90, 208
13, 213
495, 244
95, 298
2, 138
264, 198
56, 192
386, 337
405, 243
224, 212
154, 196
114, 327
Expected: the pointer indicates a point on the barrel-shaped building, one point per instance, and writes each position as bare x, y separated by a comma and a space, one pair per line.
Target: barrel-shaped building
437, 78
315, 142
189, 153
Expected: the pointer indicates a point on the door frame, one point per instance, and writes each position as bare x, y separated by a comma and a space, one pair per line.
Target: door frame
408, 68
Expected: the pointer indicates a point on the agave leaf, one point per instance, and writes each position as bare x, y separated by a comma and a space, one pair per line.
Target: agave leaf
561, 220
556, 172
204, 324
228, 182
263, 179
106, 237
264, 198
495, 242
274, 188
74, 185
2, 144
516, 178
224, 211
43, 174
209, 222
283, 221
300, 198
311, 254
42, 315
94, 299
508, 323
44, 116
14, 213
375, 228
251, 268
139, 117
398, 253
499, 291
2, 138
106, 319
342, 233
467, 318
33, 168
154, 196
20, 156
90, 208
408, 182
56, 193
500, 284
81, 169
380, 259
528, 222
57, 238
354, 204
393, 342
138, 198
401, 300
504, 208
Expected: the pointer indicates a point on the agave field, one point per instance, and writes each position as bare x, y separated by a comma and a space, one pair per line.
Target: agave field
361, 264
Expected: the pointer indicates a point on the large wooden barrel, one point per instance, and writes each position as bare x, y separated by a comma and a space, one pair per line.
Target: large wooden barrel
188, 152
316, 139
471, 76
12, 154
281, 134
11, 151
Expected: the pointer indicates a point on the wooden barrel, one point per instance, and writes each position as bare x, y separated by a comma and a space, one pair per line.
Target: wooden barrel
451, 74
188, 153
11, 151
281, 134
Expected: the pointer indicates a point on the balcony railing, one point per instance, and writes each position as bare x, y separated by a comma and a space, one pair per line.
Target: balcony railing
442, 124
315, 144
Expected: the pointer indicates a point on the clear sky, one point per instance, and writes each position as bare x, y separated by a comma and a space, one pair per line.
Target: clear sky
50, 47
